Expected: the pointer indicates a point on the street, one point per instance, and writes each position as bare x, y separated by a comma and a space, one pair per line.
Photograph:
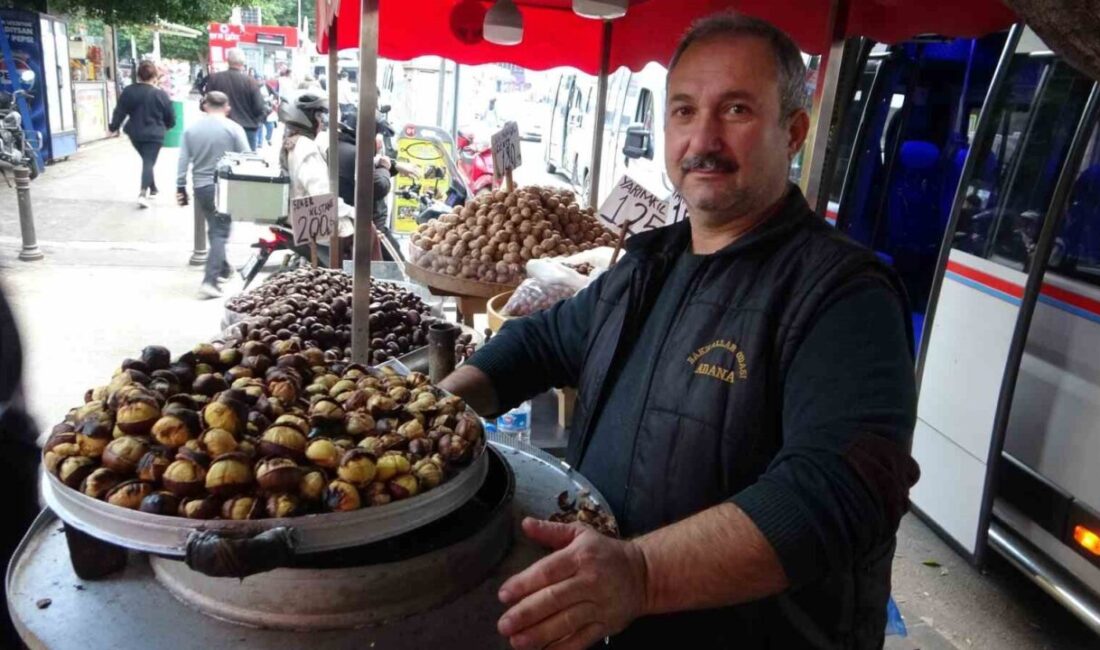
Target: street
116, 278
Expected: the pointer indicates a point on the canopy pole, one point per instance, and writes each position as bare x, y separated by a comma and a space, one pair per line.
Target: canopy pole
601, 112
824, 108
364, 187
454, 105
333, 138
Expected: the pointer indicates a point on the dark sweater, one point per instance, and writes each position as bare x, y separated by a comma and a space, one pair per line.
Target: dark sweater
777, 376
147, 111
246, 104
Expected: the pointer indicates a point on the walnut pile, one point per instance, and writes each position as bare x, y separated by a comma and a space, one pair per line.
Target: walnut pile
491, 238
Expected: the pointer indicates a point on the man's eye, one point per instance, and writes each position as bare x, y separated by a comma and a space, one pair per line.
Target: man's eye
738, 109
682, 111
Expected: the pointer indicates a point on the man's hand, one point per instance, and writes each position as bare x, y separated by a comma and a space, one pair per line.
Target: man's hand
181, 196
405, 169
591, 587
383, 162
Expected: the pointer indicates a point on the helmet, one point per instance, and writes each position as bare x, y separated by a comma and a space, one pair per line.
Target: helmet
303, 112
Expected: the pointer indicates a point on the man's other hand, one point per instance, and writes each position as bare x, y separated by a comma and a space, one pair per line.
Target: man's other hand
590, 587
181, 196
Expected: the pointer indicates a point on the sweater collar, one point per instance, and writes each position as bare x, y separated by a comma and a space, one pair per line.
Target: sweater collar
675, 238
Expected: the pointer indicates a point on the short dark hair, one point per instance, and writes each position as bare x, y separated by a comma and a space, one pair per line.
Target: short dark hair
215, 99
147, 70
788, 57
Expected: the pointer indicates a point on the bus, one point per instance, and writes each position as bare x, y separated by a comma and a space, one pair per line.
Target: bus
972, 166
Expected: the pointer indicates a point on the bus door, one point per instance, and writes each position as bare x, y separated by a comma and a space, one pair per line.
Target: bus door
559, 122
978, 300
915, 126
1048, 488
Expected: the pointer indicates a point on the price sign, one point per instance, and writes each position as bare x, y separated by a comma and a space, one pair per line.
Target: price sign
634, 206
506, 149
312, 218
677, 208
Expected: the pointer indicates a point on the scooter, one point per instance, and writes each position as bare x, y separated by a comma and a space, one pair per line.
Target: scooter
16, 148
476, 163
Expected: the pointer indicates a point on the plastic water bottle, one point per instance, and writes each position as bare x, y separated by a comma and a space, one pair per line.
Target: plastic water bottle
517, 422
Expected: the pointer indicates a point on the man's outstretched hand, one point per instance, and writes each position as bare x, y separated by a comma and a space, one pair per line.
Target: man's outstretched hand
590, 587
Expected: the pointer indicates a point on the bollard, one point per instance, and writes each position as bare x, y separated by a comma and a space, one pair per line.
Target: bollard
30, 250
198, 256
441, 350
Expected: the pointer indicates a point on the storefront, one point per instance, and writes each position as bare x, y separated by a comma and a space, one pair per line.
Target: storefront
267, 48
93, 93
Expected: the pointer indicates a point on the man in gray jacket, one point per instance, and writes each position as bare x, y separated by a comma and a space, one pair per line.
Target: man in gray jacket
204, 144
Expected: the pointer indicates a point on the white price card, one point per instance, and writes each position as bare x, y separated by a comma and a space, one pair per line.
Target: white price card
677, 208
636, 207
312, 218
506, 149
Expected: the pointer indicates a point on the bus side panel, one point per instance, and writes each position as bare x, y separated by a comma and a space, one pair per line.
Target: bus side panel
1056, 411
960, 386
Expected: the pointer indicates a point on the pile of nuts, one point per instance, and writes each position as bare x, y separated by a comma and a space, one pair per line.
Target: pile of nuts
492, 237
313, 306
585, 511
532, 296
260, 431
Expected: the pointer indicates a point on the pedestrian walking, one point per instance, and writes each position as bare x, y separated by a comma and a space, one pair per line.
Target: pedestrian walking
148, 115
205, 143
271, 96
249, 109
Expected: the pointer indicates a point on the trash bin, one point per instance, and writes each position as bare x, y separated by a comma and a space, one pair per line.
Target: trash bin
175, 134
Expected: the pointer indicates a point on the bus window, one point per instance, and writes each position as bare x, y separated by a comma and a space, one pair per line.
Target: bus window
846, 137
1006, 200
1076, 252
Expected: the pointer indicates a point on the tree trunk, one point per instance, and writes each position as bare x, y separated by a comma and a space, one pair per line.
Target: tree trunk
1070, 28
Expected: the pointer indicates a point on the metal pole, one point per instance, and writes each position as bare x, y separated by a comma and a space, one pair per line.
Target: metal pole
818, 145
364, 192
442, 89
30, 250
601, 111
454, 105
333, 137
198, 256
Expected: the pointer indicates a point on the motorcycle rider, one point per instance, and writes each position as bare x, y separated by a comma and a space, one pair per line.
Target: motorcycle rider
305, 162
385, 169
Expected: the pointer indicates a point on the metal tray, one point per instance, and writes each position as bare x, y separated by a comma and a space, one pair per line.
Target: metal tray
167, 536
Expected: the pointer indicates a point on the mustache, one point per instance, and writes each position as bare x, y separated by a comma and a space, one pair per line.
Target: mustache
708, 163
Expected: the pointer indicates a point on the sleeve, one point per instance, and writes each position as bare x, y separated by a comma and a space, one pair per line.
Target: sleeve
169, 111
122, 109
541, 351
839, 485
240, 139
259, 107
381, 183
184, 163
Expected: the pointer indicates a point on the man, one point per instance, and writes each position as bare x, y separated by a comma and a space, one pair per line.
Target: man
746, 395
385, 168
205, 143
346, 96
249, 108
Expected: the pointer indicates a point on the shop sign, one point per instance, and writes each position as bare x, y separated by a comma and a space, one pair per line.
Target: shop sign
506, 149
223, 37
313, 218
634, 207
271, 39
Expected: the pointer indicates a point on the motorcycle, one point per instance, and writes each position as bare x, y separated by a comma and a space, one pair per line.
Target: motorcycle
476, 163
16, 149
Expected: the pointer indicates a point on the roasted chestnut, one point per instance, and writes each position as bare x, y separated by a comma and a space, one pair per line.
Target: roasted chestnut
196, 451
323, 452
152, 465
176, 427
205, 353
312, 486
184, 477
341, 496
451, 405
421, 447
209, 384
283, 505
137, 417
278, 475
296, 421
380, 405
129, 494
455, 449
123, 454
242, 507
373, 444
228, 415
411, 430
470, 428
403, 486
93, 437
357, 467
394, 441
282, 440
377, 494
391, 465
161, 502
229, 474
200, 507
285, 390
218, 441
326, 413
358, 424
100, 482
341, 386
156, 357
73, 470
429, 473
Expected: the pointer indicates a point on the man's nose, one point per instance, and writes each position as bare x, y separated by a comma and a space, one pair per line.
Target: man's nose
706, 136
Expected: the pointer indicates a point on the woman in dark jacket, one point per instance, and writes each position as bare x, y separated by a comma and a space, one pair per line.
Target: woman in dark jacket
148, 114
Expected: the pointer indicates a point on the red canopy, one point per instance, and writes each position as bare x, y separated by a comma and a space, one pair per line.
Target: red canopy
555, 36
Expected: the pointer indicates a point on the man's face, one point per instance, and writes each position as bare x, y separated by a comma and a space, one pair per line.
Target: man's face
727, 148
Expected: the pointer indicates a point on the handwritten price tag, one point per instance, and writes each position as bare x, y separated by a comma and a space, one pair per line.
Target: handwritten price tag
506, 149
636, 207
312, 218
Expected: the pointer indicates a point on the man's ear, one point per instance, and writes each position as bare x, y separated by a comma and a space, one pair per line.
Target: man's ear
798, 127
